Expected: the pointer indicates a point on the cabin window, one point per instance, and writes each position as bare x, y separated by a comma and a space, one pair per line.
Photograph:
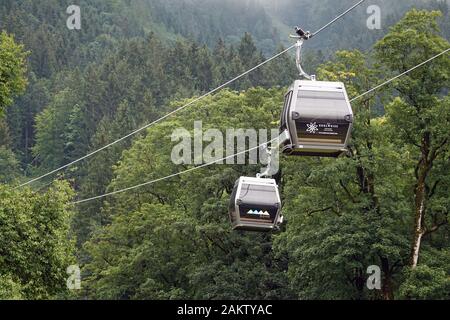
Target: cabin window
258, 194
284, 117
322, 105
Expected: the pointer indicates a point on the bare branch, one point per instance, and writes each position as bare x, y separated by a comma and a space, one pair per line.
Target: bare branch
319, 210
347, 191
433, 189
436, 227
438, 150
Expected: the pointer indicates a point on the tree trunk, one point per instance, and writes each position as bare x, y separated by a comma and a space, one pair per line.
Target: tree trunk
416, 248
420, 192
418, 222
386, 288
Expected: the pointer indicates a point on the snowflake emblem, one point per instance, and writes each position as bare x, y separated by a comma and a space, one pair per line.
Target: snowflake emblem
312, 127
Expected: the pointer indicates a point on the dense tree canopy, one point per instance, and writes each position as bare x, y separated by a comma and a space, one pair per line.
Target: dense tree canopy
34, 243
12, 70
385, 203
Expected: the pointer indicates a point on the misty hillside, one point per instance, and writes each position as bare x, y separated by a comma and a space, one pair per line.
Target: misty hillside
204, 21
352, 32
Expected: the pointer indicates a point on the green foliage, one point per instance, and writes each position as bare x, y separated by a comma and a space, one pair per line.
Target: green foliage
346, 215
9, 288
425, 283
9, 166
165, 244
34, 242
55, 131
12, 70
408, 43
131, 87
420, 116
342, 215
21, 117
135, 61
152, 249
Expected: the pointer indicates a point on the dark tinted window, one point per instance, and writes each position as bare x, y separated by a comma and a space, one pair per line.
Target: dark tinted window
259, 194
322, 104
254, 214
287, 102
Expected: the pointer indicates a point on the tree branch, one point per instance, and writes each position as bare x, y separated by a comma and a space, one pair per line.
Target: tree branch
319, 210
436, 227
437, 151
216, 243
347, 191
433, 189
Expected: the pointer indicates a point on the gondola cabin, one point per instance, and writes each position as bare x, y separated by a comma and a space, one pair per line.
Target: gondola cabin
319, 118
255, 205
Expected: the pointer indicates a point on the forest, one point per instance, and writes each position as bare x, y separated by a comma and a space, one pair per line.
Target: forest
65, 94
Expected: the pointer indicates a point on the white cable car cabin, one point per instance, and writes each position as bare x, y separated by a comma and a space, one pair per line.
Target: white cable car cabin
319, 118
255, 205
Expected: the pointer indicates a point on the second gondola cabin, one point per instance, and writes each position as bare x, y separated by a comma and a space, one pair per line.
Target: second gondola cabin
319, 118
255, 205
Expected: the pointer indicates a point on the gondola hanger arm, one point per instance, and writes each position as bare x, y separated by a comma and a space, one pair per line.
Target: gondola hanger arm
301, 37
271, 151
300, 34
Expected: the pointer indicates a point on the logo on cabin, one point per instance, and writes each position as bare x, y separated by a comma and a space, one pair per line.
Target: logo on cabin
260, 213
312, 128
